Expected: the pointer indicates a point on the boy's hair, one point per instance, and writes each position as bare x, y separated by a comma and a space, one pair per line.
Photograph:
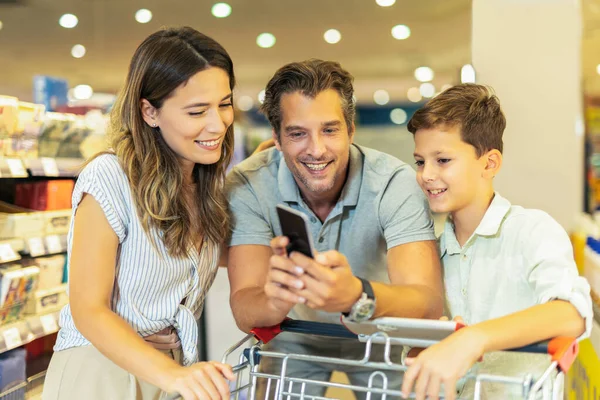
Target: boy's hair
473, 108
310, 78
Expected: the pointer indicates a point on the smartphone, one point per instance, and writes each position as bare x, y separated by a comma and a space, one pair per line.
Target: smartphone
295, 226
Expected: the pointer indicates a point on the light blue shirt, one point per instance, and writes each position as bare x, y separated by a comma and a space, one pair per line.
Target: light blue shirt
380, 207
152, 290
517, 258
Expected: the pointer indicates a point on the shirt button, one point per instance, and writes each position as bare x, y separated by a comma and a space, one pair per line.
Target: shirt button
313, 219
464, 292
321, 239
464, 256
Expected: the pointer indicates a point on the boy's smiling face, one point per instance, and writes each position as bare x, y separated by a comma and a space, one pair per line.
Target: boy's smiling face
448, 169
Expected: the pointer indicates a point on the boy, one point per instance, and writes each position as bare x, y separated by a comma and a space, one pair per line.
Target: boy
508, 271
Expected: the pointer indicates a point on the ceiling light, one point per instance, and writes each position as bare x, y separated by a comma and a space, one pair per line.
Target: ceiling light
78, 51
143, 16
467, 74
385, 3
401, 32
427, 90
332, 36
598, 69
398, 116
221, 10
68, 21
265, 40
424, 74
83, 92
261, 96
381, 97
0, 25
245, 103
414, 94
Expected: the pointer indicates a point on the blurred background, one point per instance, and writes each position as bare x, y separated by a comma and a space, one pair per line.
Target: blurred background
63, 61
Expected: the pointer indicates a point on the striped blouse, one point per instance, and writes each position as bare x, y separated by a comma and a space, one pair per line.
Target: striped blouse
150, 286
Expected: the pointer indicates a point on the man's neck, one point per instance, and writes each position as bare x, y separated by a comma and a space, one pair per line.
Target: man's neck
468, 219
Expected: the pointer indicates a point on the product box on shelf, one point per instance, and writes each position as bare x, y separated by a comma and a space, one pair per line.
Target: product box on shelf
57, 222
51, 271
30, 119
16, 286
9, 111
19, 222
44, 301
47, 195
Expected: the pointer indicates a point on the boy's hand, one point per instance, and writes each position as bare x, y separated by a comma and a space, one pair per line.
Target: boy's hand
415, 351
443, 363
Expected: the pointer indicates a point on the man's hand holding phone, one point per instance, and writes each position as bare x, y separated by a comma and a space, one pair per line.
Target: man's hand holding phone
323, 283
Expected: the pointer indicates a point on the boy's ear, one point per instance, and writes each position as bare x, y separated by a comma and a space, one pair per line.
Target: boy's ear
493, 163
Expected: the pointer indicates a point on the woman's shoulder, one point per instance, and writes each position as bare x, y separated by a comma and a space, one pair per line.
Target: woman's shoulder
104, 167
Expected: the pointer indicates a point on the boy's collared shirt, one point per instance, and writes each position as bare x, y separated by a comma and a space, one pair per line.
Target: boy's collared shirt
516, 258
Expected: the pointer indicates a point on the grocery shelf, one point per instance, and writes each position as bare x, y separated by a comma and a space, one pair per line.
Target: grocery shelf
27, 330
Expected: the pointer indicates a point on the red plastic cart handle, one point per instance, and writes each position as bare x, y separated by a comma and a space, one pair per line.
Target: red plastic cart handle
303, 327
267, 333
564, 351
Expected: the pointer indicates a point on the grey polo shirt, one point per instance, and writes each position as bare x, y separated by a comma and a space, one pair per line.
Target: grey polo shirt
381, 206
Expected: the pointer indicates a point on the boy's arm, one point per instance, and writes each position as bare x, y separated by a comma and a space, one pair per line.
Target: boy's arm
564, 309
446, 362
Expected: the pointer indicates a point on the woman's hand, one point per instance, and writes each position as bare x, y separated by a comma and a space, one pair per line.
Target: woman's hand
201, 381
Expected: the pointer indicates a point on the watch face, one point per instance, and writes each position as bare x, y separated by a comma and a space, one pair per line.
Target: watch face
364, 310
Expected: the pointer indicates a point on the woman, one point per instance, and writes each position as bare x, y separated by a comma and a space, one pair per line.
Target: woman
148, 222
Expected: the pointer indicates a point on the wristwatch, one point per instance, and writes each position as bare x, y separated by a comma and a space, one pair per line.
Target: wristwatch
364, 308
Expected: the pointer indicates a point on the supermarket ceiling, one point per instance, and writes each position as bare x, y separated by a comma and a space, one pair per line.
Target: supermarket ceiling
32, 42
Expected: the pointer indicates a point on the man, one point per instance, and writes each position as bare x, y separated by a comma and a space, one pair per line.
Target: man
369, 220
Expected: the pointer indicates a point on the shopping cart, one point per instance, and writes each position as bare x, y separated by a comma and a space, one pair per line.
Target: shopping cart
283, 385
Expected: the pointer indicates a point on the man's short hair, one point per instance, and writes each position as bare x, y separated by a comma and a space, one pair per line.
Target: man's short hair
310, 78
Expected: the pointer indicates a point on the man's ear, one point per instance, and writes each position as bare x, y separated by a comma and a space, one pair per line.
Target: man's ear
493, 163
351, 131
149, 113
276, 139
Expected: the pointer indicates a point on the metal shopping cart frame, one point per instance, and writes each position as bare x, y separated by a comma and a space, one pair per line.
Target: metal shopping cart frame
548, 385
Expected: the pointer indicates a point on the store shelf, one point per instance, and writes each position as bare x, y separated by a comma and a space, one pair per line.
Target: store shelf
27, 330
31, 389
45, 166
52, 167
45, 245
10, 249
12, 168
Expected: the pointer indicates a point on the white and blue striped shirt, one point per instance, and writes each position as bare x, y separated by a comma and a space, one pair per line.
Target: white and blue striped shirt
150, 286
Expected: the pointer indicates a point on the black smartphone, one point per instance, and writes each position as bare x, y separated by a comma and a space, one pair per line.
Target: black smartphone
295, 226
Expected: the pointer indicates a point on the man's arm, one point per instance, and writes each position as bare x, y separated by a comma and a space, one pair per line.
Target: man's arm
415, 289
329, 285
259, 295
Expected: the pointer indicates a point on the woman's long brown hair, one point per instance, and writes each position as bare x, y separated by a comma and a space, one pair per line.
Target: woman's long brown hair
164, 61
